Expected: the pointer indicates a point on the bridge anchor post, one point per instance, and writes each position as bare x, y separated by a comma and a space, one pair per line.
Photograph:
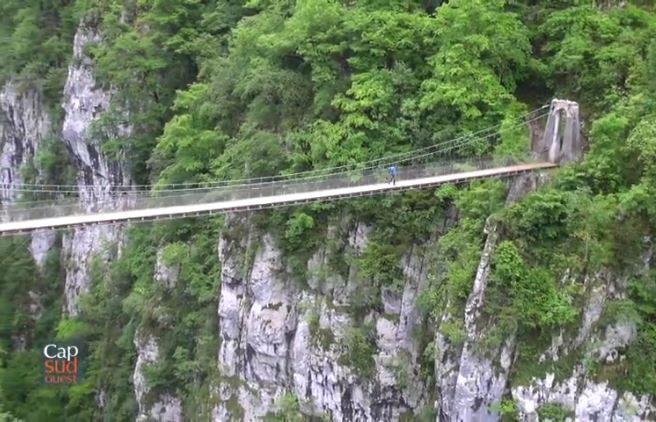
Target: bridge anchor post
562, 135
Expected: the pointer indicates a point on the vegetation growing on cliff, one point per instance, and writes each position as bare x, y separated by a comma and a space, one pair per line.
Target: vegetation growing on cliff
233, 89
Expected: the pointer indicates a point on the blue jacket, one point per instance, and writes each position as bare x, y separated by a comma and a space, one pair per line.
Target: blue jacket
392, 170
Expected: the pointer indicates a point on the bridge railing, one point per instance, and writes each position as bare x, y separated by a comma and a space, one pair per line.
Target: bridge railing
195, 196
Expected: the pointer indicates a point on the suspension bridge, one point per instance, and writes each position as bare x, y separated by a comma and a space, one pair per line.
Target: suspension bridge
418, 169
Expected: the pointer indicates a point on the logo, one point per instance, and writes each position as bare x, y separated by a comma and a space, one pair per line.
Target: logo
61, 364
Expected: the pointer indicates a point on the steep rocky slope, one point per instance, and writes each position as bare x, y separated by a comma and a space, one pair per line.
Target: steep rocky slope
97, 176
24, 123
309, 330
277, 337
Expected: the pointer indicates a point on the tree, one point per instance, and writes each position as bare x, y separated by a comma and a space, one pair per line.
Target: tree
483, 54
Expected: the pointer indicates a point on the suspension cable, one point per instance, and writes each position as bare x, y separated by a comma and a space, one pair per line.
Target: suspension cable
397, 157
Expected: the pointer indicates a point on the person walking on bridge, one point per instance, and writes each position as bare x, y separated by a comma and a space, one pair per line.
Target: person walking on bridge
392, 174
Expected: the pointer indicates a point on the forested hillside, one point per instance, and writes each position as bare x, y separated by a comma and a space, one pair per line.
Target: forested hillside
366, 309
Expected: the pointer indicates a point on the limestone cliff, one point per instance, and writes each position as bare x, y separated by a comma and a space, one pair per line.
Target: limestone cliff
470, 382
97, 176
282, 333
318, 331
164, 407
24, 123
279, 338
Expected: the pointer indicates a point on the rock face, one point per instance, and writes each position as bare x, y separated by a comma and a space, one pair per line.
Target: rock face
41, 244
166, 275
97, 176
97, 179
166, 408
277, 338
281, 337
470, 382
24, 123
84, 102
586, 399
480, 379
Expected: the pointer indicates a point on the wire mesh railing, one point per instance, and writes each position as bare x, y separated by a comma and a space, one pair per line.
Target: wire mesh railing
416, 156
234, 195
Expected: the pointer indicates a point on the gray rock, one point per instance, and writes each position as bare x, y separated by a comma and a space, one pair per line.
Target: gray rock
166, 275
24, 123
268, 347
391, 301
588, 400
147, 353
97, 176
167, 407
617, 337
481, 378
41, 244
447, 362
79, 249
591, 313
414, 267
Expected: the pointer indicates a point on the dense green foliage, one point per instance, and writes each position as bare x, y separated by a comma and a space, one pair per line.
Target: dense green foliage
287, 410
526, 296
35, 41
24, 320
507, 409
554, 412
232, 88
359, 350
